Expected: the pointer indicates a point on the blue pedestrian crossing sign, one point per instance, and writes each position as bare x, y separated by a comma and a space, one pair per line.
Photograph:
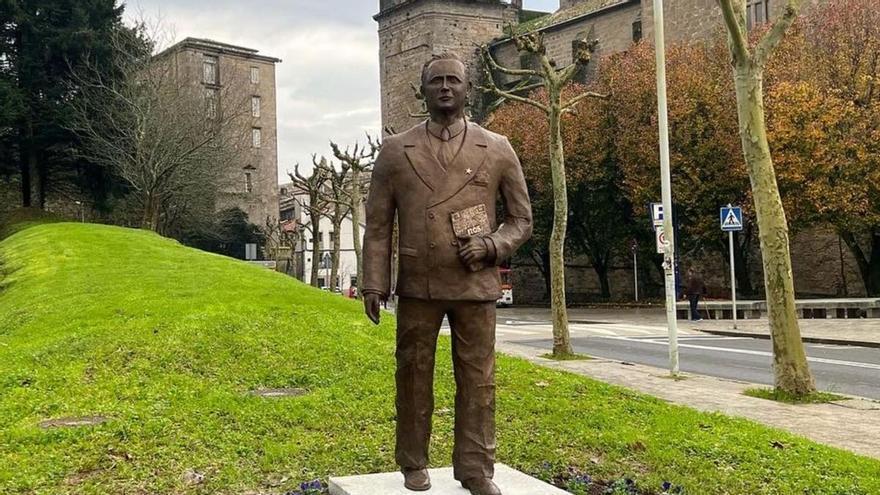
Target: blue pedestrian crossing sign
731, 218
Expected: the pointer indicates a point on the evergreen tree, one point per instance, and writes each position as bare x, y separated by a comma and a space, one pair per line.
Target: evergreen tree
42, 43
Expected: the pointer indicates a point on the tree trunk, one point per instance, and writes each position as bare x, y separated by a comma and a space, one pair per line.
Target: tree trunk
150, 219
601, 269
872, 283
741, 266
316, 249
792, 373
561, 337
31, 183
334, 271
24, 168
869, 267
356, 201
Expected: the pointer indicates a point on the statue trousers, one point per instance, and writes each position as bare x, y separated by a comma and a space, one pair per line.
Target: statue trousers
473, 358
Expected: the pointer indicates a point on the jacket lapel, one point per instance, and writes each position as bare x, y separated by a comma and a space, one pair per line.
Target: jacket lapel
471, 158
421, 157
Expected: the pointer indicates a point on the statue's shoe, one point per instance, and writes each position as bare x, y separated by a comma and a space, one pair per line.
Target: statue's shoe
416, 480
481, 486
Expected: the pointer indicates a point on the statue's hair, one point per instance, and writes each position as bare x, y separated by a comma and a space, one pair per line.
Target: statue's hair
441, 56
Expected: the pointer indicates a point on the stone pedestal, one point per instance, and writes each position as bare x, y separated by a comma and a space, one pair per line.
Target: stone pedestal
510, 481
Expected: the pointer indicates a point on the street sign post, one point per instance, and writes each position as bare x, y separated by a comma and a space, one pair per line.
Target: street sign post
635, 251
732, 221
666, 186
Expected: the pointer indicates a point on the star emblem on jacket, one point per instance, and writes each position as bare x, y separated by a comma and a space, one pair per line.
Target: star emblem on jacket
468, 171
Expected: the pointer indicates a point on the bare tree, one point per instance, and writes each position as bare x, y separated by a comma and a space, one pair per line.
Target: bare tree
315, 206
792, 373
553, 81
170, 138
360, 160
339, 207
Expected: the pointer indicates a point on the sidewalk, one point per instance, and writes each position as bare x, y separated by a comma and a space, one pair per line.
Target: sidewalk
864, 332
852, 424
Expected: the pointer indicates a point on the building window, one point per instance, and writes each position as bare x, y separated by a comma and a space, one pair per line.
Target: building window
248, 182
255, 75
257, 137
210, 70
332, 240
255, 106
757, 12
211, 102
637, 31
320, 240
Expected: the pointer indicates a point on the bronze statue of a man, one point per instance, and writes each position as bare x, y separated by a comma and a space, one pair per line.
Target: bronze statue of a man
442, 178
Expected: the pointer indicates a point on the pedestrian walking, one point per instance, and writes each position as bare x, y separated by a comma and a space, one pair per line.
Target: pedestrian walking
695, 288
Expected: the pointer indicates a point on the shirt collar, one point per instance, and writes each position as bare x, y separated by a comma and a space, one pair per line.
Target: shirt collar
455, 128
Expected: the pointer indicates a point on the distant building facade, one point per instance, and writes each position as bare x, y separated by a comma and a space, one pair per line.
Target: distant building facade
252, 183
410, 31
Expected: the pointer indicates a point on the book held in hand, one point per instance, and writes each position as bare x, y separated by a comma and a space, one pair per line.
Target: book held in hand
472, 222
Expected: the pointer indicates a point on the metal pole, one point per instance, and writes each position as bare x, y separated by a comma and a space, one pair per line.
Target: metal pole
636, 271
732, 280
666, 184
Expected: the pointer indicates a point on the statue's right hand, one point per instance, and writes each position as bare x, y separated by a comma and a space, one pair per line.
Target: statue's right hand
371, 306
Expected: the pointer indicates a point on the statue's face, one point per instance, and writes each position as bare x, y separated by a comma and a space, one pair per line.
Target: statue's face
445, 87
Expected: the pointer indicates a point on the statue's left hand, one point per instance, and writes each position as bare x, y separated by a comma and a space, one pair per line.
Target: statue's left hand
473, 250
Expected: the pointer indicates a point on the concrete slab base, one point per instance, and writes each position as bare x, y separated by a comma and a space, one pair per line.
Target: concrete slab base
510, 481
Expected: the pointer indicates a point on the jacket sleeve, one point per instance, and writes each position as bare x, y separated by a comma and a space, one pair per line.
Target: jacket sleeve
517, 226
380, 209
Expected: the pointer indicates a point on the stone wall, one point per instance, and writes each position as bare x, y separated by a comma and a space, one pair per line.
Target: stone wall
821, 267
613, 29
410, 33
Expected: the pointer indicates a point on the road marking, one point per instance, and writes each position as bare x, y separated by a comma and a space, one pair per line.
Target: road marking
518, 332
837, 362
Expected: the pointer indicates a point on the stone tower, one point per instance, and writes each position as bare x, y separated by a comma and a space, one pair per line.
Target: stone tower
410, 31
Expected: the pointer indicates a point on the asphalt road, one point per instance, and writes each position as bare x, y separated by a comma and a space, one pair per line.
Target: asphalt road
843, 369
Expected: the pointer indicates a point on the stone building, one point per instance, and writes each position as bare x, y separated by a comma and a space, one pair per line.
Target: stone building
217, 67
411, 30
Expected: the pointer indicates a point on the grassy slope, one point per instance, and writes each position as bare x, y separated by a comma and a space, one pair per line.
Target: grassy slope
167, 341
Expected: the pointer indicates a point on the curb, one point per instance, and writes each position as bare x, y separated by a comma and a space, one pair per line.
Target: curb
811, 340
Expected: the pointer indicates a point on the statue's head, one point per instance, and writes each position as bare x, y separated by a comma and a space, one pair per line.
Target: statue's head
445, 84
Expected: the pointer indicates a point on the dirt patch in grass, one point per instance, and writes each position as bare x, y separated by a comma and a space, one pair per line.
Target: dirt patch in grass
782, 396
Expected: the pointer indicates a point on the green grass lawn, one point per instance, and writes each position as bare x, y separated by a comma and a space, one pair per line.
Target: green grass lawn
167, 342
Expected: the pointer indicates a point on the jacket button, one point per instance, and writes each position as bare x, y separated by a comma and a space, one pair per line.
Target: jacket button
432, 245
431, 215
454, 243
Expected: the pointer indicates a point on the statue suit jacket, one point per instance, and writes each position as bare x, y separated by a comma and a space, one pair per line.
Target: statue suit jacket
408, 180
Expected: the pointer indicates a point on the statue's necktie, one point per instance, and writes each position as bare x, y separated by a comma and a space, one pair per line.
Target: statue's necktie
446, 153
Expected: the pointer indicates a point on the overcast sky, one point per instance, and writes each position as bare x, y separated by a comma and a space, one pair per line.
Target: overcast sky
328, 82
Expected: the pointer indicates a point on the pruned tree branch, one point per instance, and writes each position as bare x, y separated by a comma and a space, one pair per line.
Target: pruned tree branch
734, 19
774, 36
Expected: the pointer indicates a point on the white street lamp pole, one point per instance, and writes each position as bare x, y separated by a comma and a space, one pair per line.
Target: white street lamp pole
666, 184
